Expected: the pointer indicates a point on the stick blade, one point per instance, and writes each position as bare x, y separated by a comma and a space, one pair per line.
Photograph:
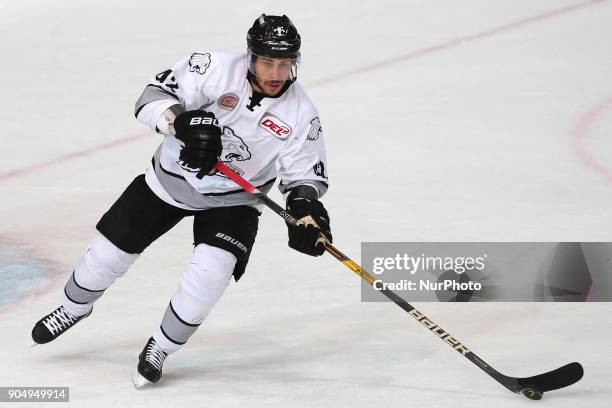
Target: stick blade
553, 380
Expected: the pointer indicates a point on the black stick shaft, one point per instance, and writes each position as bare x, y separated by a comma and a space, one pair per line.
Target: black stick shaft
507, 382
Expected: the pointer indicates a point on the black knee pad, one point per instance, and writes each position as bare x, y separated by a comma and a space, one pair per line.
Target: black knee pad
231, 228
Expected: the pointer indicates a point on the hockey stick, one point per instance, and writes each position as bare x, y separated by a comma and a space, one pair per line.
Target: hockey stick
531, 387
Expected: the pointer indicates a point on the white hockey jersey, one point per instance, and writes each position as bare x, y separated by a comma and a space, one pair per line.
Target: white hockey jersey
262, 140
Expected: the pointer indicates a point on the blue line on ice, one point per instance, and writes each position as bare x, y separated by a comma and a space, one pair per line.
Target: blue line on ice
20, 275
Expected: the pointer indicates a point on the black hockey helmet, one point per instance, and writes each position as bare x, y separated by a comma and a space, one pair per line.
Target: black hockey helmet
274, 37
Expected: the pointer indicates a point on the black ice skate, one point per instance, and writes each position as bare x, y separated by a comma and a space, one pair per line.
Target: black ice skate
150, 364
54, 324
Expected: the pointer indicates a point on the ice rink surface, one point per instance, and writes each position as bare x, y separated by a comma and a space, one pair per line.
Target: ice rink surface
471, 120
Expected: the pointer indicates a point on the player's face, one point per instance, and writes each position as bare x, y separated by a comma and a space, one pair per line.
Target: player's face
271, 74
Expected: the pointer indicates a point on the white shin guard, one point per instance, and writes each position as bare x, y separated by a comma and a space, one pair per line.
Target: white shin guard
202, 285
97, 269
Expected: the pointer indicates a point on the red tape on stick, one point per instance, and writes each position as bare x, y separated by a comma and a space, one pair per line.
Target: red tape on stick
223, 168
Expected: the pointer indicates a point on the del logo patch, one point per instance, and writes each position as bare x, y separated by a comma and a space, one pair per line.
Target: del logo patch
275, 126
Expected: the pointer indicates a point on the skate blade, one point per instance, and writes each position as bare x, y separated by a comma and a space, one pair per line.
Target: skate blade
139, 381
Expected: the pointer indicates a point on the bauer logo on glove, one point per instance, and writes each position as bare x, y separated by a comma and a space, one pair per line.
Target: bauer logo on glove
203, 121
201, 135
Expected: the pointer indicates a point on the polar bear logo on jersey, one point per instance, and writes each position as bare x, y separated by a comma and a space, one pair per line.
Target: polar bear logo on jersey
315, 129
234, 148
199, 62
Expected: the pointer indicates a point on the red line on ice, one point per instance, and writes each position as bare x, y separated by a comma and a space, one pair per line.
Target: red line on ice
581, 135
337, 77
458, 41
74, 155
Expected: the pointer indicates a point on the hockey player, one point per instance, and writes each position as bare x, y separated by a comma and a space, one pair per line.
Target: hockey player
245, 110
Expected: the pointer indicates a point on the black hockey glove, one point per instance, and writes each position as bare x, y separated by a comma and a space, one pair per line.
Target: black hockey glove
200, 132
313, 220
